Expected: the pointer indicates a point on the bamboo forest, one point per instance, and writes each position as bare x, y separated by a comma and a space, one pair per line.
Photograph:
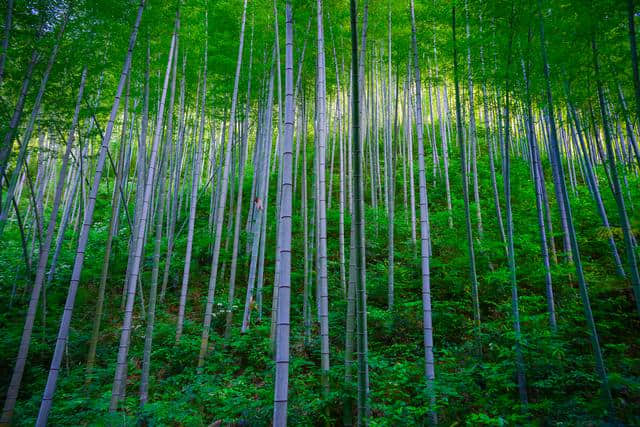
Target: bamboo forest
319, 213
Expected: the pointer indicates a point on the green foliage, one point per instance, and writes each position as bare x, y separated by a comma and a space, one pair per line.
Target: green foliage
236, 384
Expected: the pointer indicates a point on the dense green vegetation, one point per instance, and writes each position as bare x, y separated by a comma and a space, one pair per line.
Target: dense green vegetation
201, 191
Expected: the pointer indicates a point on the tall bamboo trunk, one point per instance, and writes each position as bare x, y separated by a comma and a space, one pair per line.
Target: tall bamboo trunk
537, 183
473, 140
390, 169
192, 209
284, 237
321, 138
511, 258
465, 185
119, 382
173, 213
425, 236
222, 201
238, 215
148, 336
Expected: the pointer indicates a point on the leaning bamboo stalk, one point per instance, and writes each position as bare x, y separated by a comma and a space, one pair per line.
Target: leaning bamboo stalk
65, 322
132, 275
23, 350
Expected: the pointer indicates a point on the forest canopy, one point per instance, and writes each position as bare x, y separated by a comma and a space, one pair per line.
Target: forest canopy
272, 212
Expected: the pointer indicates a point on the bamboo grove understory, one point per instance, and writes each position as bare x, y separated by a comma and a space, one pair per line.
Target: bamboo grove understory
262, 212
